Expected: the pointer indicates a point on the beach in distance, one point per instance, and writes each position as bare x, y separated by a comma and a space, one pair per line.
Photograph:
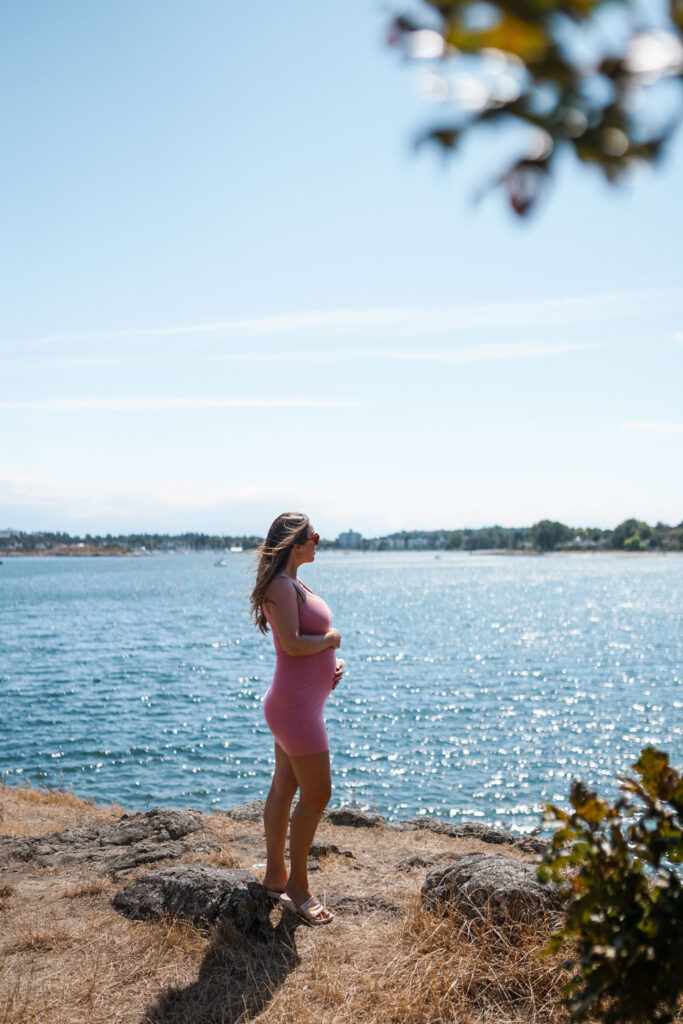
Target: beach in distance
476, 687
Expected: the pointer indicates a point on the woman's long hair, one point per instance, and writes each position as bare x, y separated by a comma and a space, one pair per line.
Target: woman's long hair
288, 529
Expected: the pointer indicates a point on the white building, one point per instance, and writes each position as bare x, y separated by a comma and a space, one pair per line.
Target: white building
416, 543
350, 540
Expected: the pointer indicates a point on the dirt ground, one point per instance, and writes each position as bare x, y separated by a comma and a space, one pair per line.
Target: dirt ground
66, 956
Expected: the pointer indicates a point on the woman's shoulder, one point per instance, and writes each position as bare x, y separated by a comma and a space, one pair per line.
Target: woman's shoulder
280, 587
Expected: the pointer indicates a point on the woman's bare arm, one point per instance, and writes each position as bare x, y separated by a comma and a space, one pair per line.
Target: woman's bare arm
284, 614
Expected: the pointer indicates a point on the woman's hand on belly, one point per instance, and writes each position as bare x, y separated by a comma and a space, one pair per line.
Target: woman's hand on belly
338, 673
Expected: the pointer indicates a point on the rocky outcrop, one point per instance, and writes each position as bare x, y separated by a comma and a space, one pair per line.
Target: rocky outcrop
483, 884
471, 830
465, 830
133, 840
252, 811
353, 817
320, 849
414, 861
205, 896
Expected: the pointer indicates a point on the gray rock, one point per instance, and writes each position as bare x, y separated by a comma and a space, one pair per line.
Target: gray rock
320, 849
148, 853
531, 843
471, 830
408, 863
355, 818
253, 811
205, 896
132, 840
505, 890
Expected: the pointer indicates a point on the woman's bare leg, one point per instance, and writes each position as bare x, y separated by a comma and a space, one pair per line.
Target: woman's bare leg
312, 773
276, 820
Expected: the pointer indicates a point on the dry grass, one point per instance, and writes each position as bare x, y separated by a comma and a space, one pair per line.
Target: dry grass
94, 967
6, 893
31, 810
223, 857
422, 969
94, 887
67, 958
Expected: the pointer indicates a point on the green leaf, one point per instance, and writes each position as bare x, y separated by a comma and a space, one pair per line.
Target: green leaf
652, 766
444, 137
676, 12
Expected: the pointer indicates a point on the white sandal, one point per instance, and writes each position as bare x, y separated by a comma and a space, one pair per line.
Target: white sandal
310, 911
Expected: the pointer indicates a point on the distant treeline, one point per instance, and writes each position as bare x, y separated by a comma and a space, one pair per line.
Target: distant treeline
546, 535
44, 540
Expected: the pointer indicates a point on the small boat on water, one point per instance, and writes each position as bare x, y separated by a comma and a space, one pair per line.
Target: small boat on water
236, 549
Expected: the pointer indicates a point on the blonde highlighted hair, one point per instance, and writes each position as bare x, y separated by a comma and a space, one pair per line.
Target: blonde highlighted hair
287, 530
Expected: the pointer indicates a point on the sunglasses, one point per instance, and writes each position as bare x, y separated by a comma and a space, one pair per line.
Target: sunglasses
315, 537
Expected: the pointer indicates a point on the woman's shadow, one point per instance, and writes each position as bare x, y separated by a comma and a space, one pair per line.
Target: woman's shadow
237, 979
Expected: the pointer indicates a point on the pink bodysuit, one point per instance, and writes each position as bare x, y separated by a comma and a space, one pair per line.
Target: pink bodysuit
293, 706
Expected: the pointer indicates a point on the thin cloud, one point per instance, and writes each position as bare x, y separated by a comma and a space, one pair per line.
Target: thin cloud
155, 404
395, 320
178, 495
478, 353
662, 428
464, 354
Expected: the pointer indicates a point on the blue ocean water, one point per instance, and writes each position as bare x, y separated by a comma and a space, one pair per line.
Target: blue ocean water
477, 686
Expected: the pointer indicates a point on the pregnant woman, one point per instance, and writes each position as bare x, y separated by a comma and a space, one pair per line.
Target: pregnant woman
306, 671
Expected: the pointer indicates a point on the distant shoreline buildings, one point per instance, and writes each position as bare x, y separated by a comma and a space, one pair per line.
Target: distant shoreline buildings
352, 541
545, 535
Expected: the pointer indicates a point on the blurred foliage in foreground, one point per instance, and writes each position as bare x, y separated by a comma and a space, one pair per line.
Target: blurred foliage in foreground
601, 78
625, 915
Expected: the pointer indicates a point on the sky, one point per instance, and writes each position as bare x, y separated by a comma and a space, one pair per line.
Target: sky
231, 286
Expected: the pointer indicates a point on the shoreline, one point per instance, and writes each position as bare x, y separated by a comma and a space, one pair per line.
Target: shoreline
530, 841
93, 551
65, 551
563, 552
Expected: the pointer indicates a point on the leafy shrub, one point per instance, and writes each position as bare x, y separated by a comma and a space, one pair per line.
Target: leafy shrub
625, 914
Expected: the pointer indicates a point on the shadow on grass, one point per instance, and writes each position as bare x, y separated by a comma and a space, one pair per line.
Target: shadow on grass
237, 978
